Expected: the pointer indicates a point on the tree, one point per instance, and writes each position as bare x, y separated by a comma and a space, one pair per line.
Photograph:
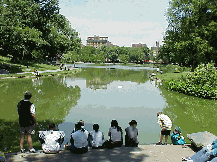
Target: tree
35, 29
190, 37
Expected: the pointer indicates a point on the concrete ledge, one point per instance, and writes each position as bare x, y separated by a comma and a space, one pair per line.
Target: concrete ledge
147, 153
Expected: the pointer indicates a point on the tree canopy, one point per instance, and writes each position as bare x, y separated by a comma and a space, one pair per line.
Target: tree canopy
191, 36
34, 29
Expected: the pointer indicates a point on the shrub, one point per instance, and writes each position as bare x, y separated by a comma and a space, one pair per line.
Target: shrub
201, 83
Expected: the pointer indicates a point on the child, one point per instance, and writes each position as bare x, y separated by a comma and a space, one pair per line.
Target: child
176, 137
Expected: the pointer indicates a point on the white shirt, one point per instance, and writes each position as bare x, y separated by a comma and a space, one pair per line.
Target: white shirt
80, 138
98, 138
115, 134
166, 122
51, 140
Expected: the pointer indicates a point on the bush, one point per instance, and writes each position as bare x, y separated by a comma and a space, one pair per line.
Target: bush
201, 83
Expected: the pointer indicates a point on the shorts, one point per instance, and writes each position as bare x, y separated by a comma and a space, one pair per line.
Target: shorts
165, 132
27, 130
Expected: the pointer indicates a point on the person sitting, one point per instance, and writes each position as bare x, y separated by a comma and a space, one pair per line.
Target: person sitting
116, 135
96, 137
82, 126
176, 137
131, 135
51, 140
79, 140
207, 153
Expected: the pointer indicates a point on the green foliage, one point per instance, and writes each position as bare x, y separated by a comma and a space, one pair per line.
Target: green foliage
35, 29
190, 38
201, 83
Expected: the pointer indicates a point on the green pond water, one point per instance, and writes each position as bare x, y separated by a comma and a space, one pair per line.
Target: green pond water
98, 95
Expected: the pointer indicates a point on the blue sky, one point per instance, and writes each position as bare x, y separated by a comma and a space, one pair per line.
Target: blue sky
123, 21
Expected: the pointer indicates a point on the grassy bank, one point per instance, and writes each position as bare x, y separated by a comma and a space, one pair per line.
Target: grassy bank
192, 114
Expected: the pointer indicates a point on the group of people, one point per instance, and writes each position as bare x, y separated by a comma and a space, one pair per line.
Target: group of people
51, 140
81, 138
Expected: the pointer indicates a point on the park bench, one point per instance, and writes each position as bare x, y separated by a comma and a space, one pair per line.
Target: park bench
201, 139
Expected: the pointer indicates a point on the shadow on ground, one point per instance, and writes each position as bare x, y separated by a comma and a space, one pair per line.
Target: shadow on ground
126, 154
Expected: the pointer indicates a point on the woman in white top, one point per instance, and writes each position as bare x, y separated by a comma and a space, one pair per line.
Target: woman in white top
115, 133
96, 137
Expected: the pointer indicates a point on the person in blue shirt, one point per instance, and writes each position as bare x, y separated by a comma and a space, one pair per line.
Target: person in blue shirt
207, 153
176, 137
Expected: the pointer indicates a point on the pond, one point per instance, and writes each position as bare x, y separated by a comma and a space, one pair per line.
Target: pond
98, 95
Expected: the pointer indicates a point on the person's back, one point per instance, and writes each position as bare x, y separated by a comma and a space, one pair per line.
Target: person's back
131, 134
97, 137
115, 134
51, 140
80, 138
166, 121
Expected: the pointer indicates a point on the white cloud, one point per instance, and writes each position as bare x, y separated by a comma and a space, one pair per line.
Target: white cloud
124, 22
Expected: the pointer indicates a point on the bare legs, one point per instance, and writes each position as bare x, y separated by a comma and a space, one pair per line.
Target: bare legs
161, 138
29, 140
22, 140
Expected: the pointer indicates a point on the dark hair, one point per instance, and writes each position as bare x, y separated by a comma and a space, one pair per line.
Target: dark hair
51, 125
28, 95
133, 122
114, 123
96, 127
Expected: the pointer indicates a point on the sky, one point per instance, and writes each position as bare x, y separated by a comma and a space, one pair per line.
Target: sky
124, 22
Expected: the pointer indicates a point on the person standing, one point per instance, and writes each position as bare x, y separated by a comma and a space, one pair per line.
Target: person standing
27, 120
166, 125
131, 135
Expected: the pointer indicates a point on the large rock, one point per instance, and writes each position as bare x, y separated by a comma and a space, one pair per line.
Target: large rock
201, 139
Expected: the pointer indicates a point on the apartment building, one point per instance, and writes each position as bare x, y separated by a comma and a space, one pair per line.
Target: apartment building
139, 45
97, 41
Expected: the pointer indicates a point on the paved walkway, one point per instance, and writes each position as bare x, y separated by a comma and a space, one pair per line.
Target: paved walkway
147, 153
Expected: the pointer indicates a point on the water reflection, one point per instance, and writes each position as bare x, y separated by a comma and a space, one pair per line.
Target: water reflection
52, 100
121, 100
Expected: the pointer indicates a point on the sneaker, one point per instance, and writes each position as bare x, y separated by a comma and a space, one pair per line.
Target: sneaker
32, 150
165, 144
22, 150
159, 143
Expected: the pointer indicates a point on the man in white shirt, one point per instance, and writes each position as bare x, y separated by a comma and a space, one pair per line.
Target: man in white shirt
166, 125
79, 140
51, 140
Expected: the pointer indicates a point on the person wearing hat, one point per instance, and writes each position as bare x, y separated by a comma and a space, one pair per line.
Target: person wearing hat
96, 137
176, 137
27, 120
131, 135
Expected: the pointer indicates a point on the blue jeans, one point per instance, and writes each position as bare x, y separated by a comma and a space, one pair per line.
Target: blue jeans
203, 155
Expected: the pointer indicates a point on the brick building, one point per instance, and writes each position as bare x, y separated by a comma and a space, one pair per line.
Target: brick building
97, 41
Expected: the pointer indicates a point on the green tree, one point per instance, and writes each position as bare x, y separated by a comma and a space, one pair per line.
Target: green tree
35, 29
190, 37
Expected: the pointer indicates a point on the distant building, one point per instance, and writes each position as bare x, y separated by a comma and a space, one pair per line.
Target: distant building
97, 41
139, 45
155, 49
